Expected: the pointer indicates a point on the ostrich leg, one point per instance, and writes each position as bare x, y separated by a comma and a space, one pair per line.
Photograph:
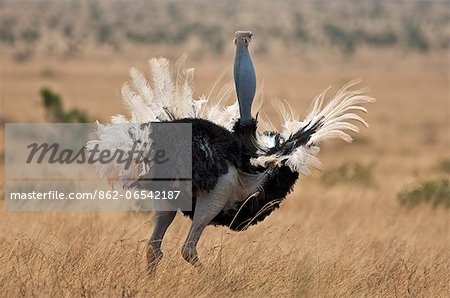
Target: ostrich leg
163, 219
208, 205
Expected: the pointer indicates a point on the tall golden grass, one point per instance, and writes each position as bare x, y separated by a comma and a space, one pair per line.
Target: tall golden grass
339, 242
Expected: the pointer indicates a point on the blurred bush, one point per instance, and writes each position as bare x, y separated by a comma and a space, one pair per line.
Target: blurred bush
7, 35
415, 38
378, 39
30, 35
444, 165
53, 105
340, 37
434, 192
346, 25
351, 173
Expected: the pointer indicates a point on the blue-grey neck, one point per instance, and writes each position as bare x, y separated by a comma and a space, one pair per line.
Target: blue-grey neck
245, 81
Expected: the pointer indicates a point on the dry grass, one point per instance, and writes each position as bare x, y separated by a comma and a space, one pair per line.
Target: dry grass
338, 242
341, 240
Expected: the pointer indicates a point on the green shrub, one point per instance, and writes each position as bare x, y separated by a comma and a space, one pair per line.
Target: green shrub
30, 35
104, 34
434, 192
350, 172
52, 103
377, 9
345, 40
415, 38
6, 35
384, 38
444, 165
300, 32
68, 31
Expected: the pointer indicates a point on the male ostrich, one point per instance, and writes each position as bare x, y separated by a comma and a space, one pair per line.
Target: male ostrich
239, 174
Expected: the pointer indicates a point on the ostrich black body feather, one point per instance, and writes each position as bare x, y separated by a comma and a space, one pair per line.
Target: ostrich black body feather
214, 148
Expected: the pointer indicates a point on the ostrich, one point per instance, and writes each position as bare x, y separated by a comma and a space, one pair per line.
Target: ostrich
239, 174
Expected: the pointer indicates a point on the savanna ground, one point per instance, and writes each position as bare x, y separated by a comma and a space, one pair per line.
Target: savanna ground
338, 233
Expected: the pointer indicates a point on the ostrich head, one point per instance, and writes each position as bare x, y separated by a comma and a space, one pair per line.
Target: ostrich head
244, 75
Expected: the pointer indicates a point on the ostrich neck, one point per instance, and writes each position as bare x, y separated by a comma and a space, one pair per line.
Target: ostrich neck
245, 81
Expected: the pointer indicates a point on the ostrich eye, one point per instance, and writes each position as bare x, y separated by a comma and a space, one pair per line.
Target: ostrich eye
246, 40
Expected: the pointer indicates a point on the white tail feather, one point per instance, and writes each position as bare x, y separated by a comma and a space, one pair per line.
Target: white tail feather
114, 137
169, 95
164, 87
333, 123
140, 112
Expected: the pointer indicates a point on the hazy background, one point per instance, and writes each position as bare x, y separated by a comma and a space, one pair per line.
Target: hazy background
375, 222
